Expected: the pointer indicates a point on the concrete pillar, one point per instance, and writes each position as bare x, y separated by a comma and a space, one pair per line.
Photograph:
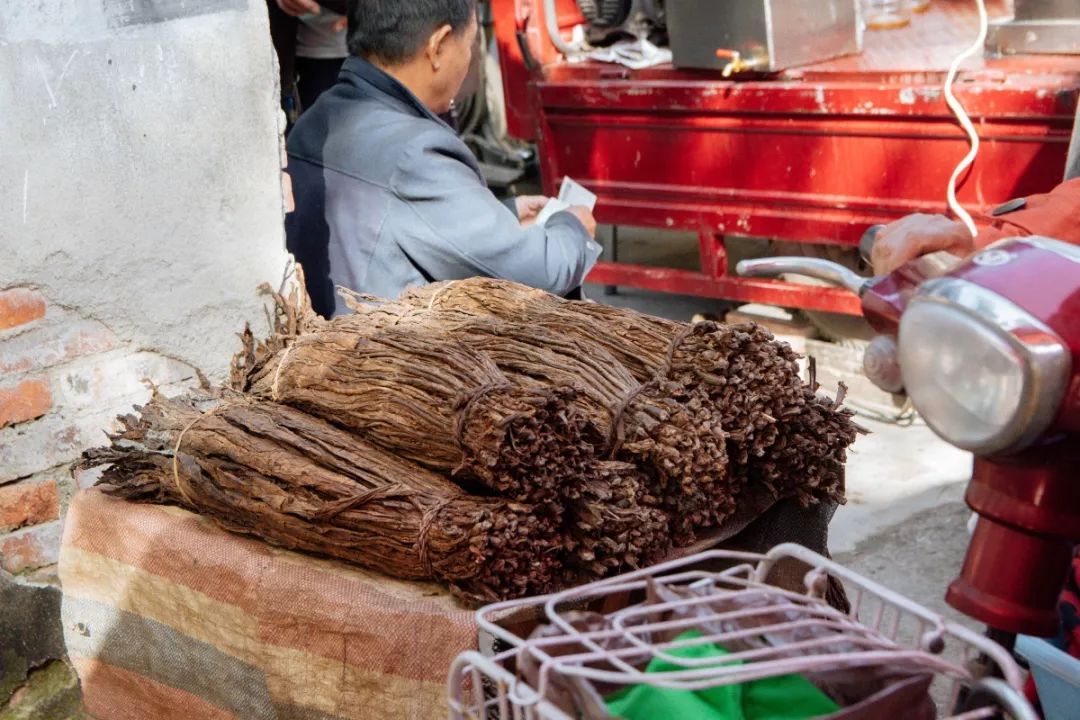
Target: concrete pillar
139, 159
140, 208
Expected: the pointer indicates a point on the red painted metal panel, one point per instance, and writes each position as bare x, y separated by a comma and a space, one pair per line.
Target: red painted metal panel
526, 17
687, 282
779, 174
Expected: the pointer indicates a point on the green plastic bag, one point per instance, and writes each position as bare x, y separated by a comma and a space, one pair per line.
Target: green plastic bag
790, 697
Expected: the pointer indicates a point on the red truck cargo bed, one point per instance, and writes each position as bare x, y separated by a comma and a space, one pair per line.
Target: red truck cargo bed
815, 154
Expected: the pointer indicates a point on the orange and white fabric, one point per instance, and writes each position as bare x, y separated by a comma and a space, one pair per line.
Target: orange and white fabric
166, 616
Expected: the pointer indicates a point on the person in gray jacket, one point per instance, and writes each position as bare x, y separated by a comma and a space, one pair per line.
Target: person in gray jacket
388, 196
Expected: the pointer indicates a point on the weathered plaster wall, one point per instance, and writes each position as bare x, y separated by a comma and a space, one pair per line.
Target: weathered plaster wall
140, 208
139, 166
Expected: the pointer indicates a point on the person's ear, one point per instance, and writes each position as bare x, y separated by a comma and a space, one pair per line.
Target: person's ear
437, 45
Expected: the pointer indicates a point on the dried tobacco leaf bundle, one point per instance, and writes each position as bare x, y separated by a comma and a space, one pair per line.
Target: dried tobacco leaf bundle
640, 342
781, 432
807, 459
680, 448
738, 370
292, 316
297, 481
613, 524
610, 530
441, 404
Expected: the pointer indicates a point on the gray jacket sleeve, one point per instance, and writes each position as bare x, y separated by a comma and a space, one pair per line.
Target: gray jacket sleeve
451, 226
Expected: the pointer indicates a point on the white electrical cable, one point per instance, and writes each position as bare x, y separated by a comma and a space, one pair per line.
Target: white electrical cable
964, 119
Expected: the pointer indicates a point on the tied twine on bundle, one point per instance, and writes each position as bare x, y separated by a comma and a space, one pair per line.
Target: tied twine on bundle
617, 433
464, 408
676, 343
332, 510
180, 441
427, 521
438, 294
277, 373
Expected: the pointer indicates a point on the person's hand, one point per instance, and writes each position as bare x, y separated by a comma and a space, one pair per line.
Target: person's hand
585, 215
528, 207
917, 235
296, 8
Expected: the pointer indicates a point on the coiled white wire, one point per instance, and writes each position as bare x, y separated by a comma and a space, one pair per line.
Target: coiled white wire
964, 119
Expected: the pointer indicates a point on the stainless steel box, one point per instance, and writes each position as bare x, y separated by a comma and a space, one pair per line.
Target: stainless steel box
1039, 26
767, 35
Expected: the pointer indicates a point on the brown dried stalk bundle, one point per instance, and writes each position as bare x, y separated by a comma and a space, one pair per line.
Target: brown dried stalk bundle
296, 481
781, 432
639, 342
609, 528
441, 404
292, 316
740, 370
750, 377
807, 459
680, 447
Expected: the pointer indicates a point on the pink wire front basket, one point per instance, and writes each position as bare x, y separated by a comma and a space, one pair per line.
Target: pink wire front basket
600, 637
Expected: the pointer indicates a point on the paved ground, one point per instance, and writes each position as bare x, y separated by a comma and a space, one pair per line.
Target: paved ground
894, 474
918, 557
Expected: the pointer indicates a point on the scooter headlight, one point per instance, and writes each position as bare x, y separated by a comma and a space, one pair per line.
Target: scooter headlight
985, 374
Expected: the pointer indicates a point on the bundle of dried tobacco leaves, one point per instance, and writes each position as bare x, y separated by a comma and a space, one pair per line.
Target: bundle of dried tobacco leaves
608, 529
679, 447
581, 440
441, 404
738, 370
640, 342
294, 480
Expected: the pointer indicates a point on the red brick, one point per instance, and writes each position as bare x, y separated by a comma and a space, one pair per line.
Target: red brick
19, 306
28, 400
30, 548
46, 346
28, 503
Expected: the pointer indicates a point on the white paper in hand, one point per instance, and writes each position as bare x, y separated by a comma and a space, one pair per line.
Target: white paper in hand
553, 206
571, 193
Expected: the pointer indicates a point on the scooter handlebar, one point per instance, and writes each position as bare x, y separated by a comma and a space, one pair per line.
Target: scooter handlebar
826, 270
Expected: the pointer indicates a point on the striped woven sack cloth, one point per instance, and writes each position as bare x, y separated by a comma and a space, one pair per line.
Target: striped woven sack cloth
167, 617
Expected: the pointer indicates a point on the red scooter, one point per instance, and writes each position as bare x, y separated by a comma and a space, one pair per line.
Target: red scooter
988, 350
